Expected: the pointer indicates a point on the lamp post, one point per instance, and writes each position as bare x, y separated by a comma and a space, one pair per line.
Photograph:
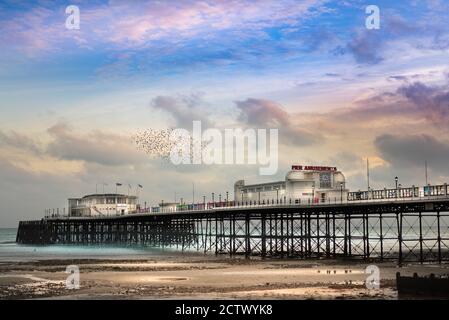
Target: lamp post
341, 192
227, 197
396, 181
219, 199
313, 192
277, 195
204, 202
162, 206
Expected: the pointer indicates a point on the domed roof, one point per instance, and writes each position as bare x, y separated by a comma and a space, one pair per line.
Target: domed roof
294, 175
339, 177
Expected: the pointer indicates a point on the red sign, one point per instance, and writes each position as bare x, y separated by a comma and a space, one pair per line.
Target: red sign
314, 168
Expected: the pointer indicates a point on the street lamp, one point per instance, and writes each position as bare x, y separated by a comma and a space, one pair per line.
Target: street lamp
204, 202
277, 195
396, 181
213, 198
313, 192
341, 192
219, 199
227, 195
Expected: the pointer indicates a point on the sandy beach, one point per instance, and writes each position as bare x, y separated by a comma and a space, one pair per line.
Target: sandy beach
201, 277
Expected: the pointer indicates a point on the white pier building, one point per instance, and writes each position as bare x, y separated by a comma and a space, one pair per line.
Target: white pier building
303, 184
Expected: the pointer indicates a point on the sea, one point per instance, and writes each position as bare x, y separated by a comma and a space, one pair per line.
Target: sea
11, 251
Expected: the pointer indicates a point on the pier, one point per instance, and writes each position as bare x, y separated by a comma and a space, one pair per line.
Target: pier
397, 227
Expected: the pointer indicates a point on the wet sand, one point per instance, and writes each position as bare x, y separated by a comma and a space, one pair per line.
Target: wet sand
201, 277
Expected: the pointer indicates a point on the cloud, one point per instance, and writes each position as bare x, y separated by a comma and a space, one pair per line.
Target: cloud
415, 101
320, 39
411, 151
17, 140
366, 47
97, 147
184, 109
136, 24
433, 101
261, 113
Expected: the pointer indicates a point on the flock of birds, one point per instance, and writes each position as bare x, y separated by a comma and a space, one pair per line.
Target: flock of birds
161, 143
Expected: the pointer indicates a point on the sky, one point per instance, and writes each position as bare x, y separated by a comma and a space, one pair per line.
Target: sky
71, 100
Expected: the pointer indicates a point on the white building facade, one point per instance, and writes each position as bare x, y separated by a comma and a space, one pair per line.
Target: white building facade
102, 205
302, 185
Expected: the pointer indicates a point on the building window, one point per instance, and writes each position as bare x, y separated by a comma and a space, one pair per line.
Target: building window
325, 180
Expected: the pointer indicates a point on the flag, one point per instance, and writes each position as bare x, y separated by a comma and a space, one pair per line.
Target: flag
140, 186
118, 184
129, 186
